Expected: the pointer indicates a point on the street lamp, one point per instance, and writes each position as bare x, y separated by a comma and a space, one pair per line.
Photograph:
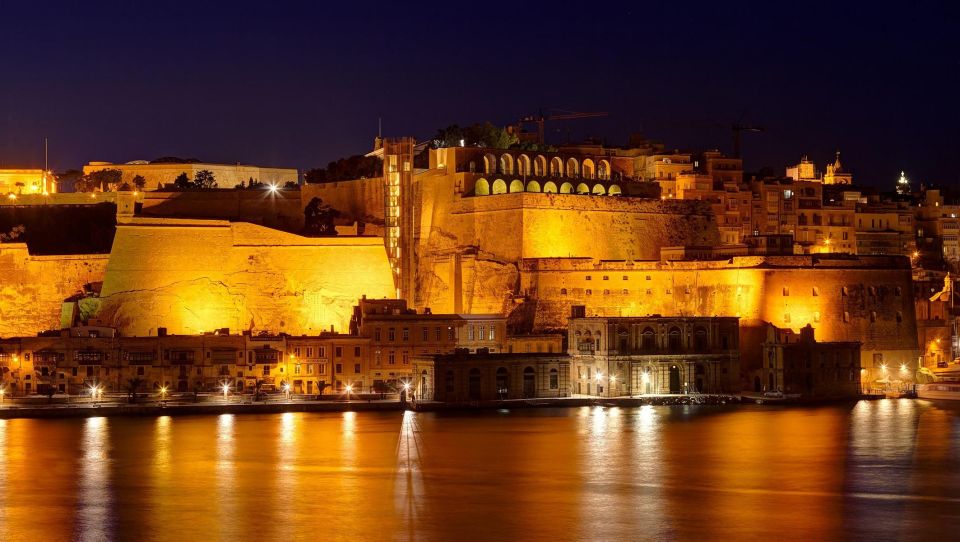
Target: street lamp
598, 376
96, 393
286, 390
349, 390
226, 390
163, 394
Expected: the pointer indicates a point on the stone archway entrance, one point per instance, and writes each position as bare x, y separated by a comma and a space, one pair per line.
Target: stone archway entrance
674, 379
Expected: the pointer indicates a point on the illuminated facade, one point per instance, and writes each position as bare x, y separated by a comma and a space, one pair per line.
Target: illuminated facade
156, 175
799, 364
617, 356
18, 182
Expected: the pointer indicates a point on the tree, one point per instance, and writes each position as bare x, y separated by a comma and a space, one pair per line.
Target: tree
19, 186
258, 389
139, 182
182, 182
321, 386
104, 179
13, 234
475, 135
205, 179
318, 219
133, 386
344, 169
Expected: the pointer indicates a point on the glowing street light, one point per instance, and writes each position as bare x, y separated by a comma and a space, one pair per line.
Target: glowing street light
225, 387
273, 188
96, 393
286, 390
163, 394
349, 390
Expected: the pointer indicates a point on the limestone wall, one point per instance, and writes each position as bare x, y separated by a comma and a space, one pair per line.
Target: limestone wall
191, 276
867, 299
32, 288
280, 210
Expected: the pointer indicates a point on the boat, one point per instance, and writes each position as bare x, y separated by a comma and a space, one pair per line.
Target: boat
949, 391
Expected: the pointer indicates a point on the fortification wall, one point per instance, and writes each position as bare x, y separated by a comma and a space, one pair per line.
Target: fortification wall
845, 298
281, 209
191, 276
33, 288
360, 200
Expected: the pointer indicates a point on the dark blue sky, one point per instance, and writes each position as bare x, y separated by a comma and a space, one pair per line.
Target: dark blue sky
300, 84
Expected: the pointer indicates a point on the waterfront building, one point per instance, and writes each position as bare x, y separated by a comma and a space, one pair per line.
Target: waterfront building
463, 376
799, 364
615, 356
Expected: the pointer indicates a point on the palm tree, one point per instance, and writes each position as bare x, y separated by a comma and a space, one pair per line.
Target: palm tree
133, 386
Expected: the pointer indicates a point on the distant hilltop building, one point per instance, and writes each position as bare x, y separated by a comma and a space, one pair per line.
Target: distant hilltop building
159, 173
806, 170
26, 181
903, 184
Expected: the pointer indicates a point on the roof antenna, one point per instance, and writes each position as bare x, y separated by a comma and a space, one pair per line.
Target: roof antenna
379, 126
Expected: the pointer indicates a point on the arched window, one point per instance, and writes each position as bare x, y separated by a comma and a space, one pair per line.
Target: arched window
700, 339
489, 164
554, 379
499, 187
448, 382
582, 188
533, 186
549, 187
556, 167
506, 164
614, 190
573, 167
588, 169
540, 166
529, 382
566, 188
603, 170
674, 341
648, 340
475, 384
482, 188
516, 186
599, 190
523, 165
503, 383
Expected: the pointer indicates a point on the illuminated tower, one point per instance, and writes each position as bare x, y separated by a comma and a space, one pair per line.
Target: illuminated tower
398, 212
903, 185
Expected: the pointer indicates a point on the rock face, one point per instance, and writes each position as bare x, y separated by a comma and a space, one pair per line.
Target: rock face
32, 288
191, 276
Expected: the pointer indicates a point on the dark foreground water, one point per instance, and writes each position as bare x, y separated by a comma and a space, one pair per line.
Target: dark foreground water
884, 470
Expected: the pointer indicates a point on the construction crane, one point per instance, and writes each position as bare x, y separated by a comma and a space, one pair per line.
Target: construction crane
560, 114
738, 128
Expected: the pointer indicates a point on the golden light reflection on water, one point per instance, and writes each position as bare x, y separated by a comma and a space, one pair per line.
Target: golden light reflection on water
882, 470
94, 515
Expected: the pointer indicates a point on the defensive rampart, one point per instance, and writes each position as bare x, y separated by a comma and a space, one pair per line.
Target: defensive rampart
191, 276
32, 288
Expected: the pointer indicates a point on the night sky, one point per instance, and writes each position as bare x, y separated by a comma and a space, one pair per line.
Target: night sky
298, 85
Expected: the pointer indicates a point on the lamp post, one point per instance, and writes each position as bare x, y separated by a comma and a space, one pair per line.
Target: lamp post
286, 390
598, 376
163, 395
349, 390
16, 359
226, 391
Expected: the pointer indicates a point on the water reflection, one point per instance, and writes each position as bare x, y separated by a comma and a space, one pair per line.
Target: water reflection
95, 507
884, 470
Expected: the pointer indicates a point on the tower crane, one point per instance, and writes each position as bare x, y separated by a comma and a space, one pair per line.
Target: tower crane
560, 114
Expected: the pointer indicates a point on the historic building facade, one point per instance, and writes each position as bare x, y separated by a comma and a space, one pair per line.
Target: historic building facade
616, 356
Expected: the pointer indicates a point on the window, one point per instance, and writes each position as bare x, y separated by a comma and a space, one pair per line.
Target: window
786, 318
786, 291
438, 333
816, 316
323, 368
482, 333
426, 334
339, 368
871, 290
606, 277
588, 277
844, 291
554, 379
338, 352
322, 351
493, 334
873, 316
899, 317
392, 357
450, 333
589, 292
356, 367
625, 291
606, 292
296, 369
816, 291
403, 356
266, 370
376, 334
140, 371
309, 368
296, 351
626, 277
391, 334
356, 351
563, 291
897, 291
406, 334
846, 317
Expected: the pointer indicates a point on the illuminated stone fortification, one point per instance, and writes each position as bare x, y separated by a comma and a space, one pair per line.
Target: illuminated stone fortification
469, 248
32, 288
845, 298
191, 276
